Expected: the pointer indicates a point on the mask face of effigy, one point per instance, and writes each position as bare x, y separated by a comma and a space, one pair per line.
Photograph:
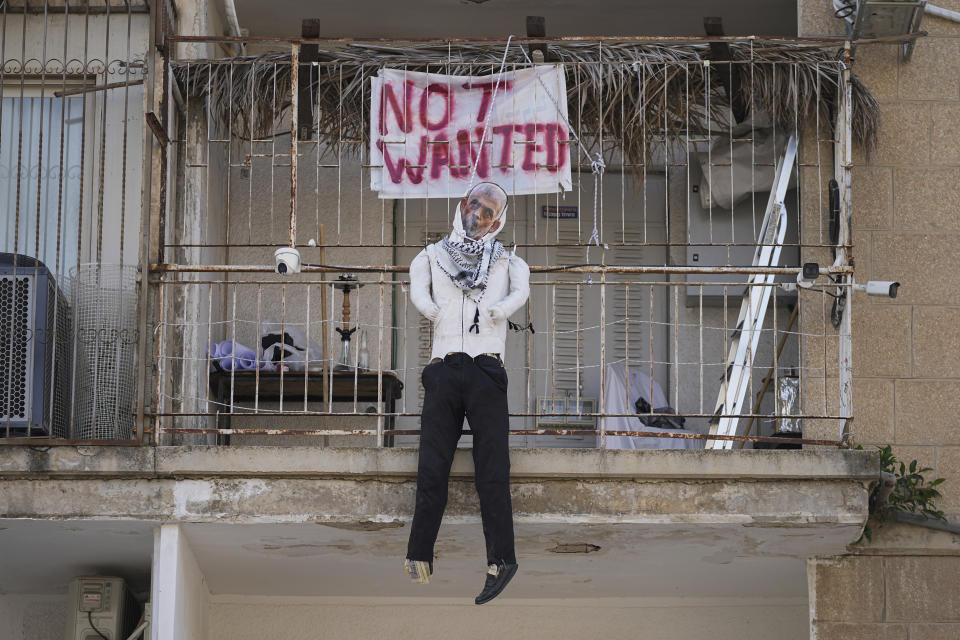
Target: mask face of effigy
481, 210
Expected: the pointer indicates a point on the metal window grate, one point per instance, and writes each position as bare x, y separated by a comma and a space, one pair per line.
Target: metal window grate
105, 301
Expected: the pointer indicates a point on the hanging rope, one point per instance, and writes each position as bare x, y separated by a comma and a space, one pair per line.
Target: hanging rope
597, 165
486, 123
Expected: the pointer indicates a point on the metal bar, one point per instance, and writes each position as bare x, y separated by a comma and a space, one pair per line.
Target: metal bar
103, 149
380, 425
166, 113
158, 402
249, 411
307, 361
256, 381
626, 347
603, 350
66, 442
16, 224
324, 327
123, 186
103, 87
250, 180
534, 283
294, 80
539, 245
209, 361
146, 215
228, 209
426, 62
77, 10
513, 432
660, 270
651, 374
826, 41
553, 344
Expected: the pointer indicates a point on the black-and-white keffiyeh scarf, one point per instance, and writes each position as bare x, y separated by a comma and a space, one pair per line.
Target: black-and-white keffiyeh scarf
470, 263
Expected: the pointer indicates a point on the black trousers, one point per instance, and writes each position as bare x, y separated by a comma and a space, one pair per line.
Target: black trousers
475, 388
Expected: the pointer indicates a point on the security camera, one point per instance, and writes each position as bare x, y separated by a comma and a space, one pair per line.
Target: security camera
808, 275
879, 288
287, 260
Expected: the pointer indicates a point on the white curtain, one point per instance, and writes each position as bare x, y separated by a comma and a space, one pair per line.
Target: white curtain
33, 131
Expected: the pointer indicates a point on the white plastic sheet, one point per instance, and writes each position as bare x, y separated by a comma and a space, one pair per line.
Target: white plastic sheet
619, 398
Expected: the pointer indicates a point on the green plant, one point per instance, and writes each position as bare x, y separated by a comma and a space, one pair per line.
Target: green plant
911, 493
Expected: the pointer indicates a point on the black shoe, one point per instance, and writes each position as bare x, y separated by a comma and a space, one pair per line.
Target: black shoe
498, 575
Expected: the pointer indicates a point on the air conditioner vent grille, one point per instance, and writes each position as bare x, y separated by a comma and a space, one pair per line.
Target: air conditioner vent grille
14, 346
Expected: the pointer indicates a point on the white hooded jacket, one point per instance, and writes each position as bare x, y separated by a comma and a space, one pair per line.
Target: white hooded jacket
452, 310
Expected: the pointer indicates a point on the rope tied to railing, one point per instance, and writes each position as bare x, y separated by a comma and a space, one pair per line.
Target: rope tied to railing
597, 164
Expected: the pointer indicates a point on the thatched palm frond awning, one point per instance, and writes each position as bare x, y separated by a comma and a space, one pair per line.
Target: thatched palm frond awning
637, 95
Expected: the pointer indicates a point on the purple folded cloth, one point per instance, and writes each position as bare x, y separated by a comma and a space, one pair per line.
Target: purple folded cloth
233, 356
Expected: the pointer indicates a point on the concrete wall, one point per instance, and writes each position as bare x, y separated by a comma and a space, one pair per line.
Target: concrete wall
901, 586
179, 592
249, 618
29, 617
906, 352
197, 188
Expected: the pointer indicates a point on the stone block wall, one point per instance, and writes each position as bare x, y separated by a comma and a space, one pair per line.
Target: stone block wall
906, 227
901, 586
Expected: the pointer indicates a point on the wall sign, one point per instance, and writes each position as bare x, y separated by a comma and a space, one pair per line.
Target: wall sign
425, 132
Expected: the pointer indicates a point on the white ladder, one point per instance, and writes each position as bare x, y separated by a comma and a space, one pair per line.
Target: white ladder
753, 309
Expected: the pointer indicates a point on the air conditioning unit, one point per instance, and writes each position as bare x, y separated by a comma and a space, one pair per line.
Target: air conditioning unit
35, 350
101, 607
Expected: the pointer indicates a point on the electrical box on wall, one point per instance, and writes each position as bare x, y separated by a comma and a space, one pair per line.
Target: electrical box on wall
100, 607
719, 229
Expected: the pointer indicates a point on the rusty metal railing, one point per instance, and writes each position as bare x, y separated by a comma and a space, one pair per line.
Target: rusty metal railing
660, 298
287, 165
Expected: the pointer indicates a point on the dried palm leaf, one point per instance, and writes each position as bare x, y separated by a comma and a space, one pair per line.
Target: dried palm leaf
634, 96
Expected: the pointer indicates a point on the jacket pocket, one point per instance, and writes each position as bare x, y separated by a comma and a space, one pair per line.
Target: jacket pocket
443, 315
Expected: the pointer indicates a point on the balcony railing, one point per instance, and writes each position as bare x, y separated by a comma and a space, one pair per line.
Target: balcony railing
666, 325
654, 313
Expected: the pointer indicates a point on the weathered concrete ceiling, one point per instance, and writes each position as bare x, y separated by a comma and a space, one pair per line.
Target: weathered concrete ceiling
631, 561
500, 18
42, 556
309, 559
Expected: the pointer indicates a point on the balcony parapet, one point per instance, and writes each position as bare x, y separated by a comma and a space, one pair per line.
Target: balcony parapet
298, 484
526, 464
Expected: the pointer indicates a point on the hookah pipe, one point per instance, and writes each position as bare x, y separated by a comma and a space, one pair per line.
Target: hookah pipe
349, 283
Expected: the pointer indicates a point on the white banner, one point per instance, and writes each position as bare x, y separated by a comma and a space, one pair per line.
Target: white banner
425, 132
